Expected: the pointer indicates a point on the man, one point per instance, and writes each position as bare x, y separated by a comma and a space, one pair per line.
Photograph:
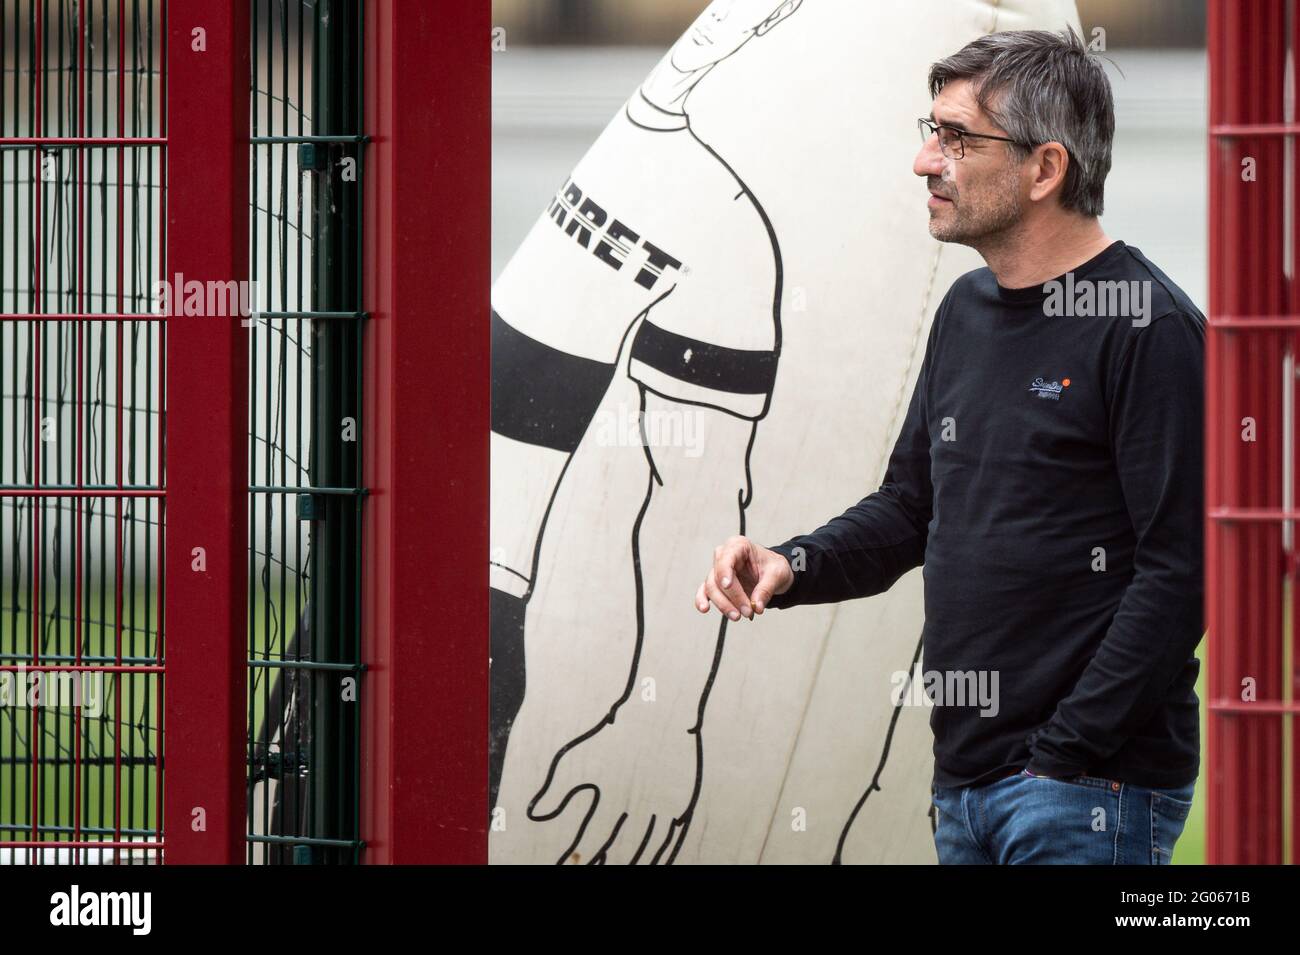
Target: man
1049, 477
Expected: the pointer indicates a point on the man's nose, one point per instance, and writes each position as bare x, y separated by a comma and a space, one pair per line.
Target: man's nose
929, 161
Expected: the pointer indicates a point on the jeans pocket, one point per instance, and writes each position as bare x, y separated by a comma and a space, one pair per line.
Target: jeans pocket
1168, 817
1091, 782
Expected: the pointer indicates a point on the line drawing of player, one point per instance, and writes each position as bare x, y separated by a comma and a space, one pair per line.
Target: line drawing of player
705, 340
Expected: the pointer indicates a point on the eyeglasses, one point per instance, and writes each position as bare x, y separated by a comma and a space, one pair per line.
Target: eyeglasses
952, 141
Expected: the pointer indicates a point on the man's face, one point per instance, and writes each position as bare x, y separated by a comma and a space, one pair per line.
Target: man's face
722, 29
976, 196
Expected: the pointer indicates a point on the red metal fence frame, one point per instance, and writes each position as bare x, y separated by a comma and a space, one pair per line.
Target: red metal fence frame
1253, 323
207, 155
426, 418
205, 427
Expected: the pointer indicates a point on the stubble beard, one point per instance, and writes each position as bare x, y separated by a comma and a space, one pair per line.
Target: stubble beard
982, 218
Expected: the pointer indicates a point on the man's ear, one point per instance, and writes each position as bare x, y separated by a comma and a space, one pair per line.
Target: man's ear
779, 14
1053, 162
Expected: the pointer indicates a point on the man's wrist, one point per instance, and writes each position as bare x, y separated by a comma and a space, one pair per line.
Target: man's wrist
792, 554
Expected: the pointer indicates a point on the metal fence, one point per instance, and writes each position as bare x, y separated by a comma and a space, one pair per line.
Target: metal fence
304, 475
80, 433
83, 431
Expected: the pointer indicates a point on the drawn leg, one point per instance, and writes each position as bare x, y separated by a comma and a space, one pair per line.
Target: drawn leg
543, 400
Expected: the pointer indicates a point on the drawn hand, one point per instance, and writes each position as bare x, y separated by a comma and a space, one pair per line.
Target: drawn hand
644, 777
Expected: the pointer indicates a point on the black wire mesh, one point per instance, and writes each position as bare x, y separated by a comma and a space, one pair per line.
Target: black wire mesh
303, 470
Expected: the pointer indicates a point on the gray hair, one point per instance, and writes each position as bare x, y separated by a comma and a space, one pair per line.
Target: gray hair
1043, 87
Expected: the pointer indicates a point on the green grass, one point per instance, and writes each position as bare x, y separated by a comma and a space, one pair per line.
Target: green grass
59, 726
1190, 847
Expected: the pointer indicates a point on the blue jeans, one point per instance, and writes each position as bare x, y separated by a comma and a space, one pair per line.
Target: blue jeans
1080, 820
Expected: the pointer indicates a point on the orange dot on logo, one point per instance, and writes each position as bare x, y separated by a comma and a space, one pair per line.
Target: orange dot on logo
1065, 383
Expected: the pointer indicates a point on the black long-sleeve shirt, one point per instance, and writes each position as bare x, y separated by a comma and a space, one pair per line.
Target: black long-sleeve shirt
1048, 476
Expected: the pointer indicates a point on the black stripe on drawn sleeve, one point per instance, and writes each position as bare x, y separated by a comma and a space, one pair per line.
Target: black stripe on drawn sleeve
733, 370
541, 395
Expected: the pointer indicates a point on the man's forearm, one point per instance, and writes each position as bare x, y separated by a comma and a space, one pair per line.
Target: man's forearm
858, 554
1154, 633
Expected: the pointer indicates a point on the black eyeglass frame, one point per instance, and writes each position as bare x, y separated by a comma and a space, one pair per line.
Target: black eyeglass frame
930, 128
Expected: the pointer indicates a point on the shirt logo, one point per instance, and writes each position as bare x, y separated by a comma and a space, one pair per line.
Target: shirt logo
1049, 389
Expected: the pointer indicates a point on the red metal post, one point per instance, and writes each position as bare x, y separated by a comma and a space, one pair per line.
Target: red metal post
1253, 322
206, 420
426, 268
1293, 564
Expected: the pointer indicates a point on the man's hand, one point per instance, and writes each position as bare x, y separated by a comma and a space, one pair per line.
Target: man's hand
744, 577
